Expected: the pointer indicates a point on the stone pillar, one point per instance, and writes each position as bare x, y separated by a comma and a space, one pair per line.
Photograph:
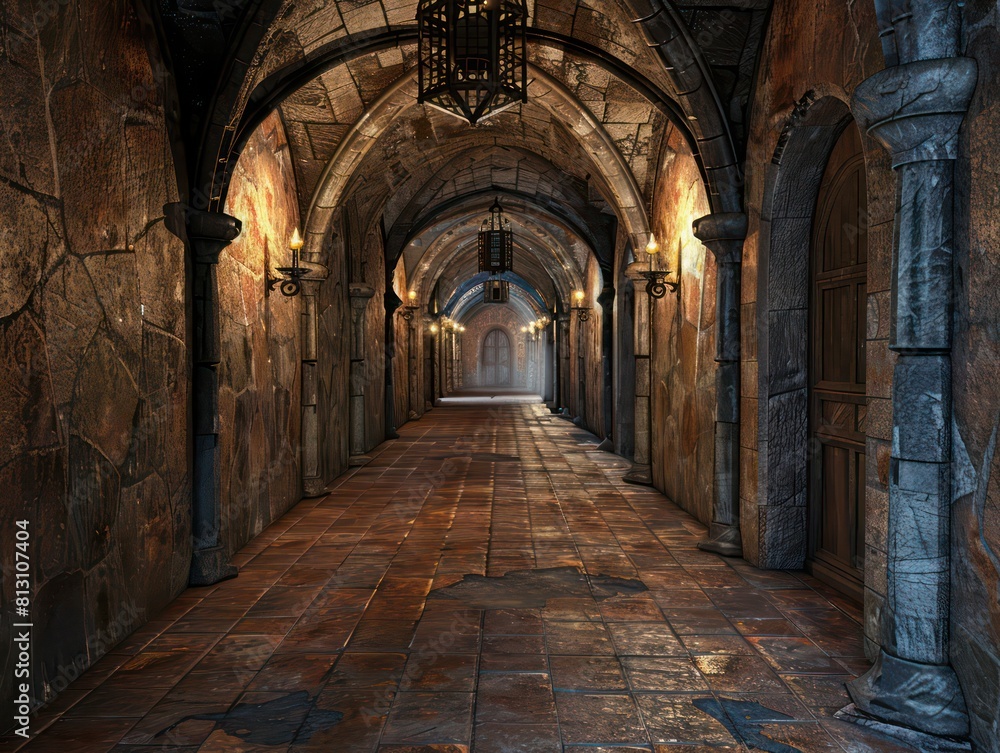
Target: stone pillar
414, 350
313, 482
560, 330
915, 110
205, 235
723, 234
606, 300
642, 470
392, 303
360, 295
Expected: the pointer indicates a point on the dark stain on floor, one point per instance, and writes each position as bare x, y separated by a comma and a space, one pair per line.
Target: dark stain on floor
531, 589
275, 722
744, 720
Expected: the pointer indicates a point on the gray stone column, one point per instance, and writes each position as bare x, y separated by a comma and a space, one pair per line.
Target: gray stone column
916, 110
723, 234
642, 470
205, 234
360, 295
313, 482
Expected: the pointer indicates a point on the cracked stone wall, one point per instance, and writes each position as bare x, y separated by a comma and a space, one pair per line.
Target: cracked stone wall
683, 339
94, 383
260, 374
976, 390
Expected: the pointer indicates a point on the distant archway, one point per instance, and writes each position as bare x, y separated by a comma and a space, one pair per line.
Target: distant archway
496, 360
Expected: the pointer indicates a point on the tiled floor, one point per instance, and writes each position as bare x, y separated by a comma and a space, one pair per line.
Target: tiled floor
341, 633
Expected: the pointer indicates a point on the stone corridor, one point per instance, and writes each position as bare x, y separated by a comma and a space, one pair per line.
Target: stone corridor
487, 583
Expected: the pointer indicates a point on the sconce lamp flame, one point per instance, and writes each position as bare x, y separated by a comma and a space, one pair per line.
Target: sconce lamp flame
291, 277
652, 248
582, 312
657, 283
408, 312
435, 329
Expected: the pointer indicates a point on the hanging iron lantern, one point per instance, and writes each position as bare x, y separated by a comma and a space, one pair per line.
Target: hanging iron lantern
472, 55
496, 290
496, 243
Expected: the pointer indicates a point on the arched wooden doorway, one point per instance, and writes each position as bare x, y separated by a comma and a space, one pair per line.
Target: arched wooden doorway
496, 359
837, 403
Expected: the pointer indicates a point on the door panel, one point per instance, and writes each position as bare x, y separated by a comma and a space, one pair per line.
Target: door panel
838, 405
496, 359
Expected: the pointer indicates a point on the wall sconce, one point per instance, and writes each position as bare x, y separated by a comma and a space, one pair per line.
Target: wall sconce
434, 329
582, 312
656, 280
291, 277
410, 311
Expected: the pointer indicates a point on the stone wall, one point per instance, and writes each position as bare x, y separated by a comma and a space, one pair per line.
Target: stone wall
260, 374
373, 374
586, 400
334, 335
94, 383
682, 348
976, 523
814, 57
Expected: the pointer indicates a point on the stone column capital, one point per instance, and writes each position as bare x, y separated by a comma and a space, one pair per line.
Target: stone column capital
360, 294
634, 271
723, 234
207, 233
915, 110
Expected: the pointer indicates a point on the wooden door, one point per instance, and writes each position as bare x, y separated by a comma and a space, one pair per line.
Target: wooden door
496, 359
838, 405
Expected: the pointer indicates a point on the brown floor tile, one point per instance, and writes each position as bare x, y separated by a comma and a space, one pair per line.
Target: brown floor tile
430, 718
517, 738
664, 675
676, 718
367, 670
644, 639
599, 718
743, 674
587, 673
440, 672
517, 698
577, 639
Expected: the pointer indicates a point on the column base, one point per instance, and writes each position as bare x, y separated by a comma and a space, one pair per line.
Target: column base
313, 488
910, 737
391, 435
414, 416
724, 540
211, 566
640, 475
608, 445
922, 697
356, 461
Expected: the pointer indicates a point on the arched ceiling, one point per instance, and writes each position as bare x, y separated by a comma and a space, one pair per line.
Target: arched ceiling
608, 80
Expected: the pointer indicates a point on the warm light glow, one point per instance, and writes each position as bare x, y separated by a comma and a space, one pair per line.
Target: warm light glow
435, 329
652, 248
296, 243
413, 295
532, 326
578, 295
524, 330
